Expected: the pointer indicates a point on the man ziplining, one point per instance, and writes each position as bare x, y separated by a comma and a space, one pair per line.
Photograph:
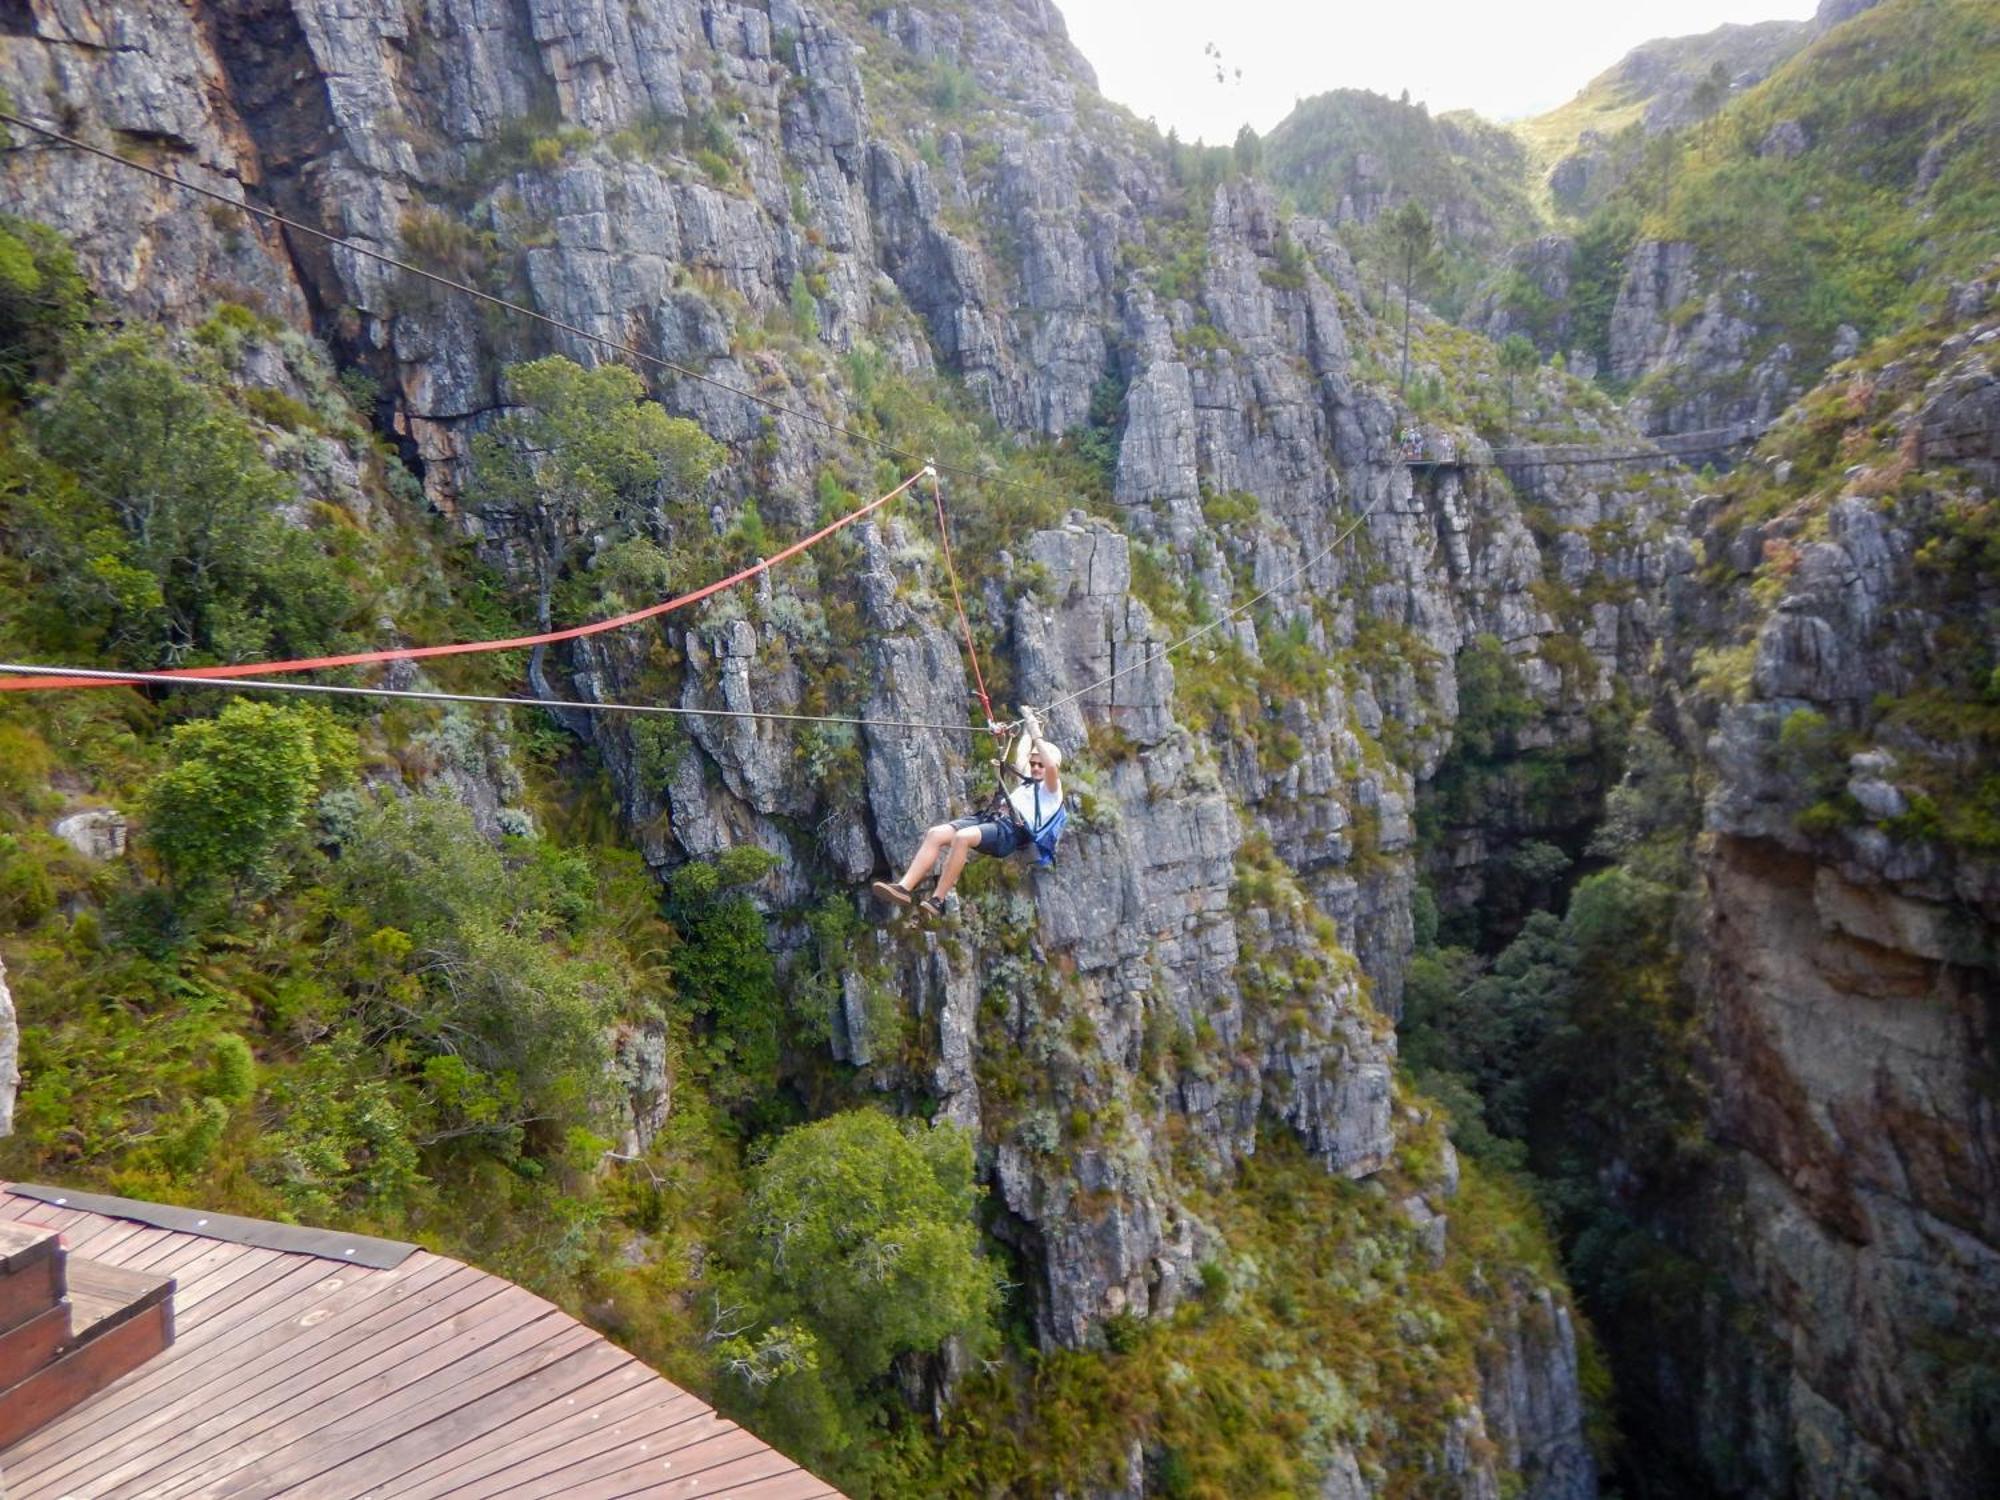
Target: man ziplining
1031, 814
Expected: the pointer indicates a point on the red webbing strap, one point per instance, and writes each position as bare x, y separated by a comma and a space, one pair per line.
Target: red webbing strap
462, 648
951, 571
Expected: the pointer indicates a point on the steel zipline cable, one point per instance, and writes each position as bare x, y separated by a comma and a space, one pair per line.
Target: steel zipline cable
1219, 621
93, 677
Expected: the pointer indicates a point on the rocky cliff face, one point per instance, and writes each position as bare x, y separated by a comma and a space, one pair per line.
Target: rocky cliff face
1847, 965
1695, 333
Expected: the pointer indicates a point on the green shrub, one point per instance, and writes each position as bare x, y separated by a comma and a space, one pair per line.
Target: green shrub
459, 952
237, 787
191, 1141
862, 1229
44, 302
154, 517
232, 1073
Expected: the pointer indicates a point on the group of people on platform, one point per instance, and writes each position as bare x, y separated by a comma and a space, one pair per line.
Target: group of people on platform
1413, 447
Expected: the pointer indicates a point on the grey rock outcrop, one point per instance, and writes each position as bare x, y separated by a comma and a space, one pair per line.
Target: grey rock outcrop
97, 833
1529, 1394
644, 1068
1846, 971
1545, 264
1784, 140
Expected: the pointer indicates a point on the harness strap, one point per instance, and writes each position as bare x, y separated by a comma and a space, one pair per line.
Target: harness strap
951, 571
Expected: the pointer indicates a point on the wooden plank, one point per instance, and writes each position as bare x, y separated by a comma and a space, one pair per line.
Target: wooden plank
135, 1253
33, 1289
388, 1467
382, 1416
81, 1373
386, 1355
169, 1261
639, 1409
468, 1364
596, 1466
250, 1373
745, 1476
21, 1244
529, 1436
211, 1348
48, 1216
797, 1485
165, 1393
174, 1246
23, 1209
597, 1454
675, 1467
98, 1239
232, 1279
26, 1347
115, 1284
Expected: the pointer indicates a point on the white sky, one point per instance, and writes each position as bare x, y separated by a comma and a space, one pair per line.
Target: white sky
1504, 58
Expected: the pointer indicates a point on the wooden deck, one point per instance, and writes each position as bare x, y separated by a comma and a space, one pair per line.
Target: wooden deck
298, 1375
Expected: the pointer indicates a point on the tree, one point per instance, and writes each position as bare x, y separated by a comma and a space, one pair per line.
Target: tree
157, 518
723, 970
44, 301
1249, 151
1709, 94
1517, 357
584, 453
1411, 233
470, 961
236, 787
862, 1229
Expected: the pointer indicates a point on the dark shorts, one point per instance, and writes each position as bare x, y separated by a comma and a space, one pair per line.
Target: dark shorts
995, 837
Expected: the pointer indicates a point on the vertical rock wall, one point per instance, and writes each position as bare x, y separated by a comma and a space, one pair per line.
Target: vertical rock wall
1847, 966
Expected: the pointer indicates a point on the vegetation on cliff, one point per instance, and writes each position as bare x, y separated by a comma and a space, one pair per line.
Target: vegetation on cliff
399, 968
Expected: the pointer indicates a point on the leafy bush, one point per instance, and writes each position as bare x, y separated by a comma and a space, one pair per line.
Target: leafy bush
585, 454
459, 953
150, 513
43, 301
858, 1249
723, 972
237, 787
864, 1229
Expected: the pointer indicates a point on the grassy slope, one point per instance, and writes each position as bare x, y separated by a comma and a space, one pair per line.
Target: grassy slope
1619, 96
1850, 231
1896, 194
